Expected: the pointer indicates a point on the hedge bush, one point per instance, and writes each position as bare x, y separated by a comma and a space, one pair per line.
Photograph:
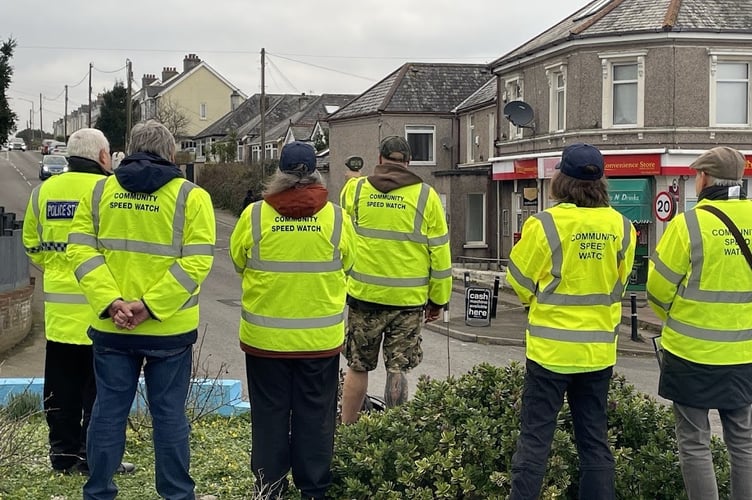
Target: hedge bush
227, 183
456, 437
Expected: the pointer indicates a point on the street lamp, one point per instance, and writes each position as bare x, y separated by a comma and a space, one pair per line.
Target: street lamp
31, 114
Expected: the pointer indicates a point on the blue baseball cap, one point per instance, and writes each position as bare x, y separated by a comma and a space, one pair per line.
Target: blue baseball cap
297, 158
581, 161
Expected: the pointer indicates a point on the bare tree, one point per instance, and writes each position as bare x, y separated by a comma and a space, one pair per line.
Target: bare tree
172, 115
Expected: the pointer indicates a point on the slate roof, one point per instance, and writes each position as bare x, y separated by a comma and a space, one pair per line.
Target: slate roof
620, 17
420, 88
481, 97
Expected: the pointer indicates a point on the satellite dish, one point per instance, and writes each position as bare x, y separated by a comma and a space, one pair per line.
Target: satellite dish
519, 113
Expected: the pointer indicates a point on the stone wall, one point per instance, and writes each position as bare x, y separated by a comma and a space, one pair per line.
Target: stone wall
15, 315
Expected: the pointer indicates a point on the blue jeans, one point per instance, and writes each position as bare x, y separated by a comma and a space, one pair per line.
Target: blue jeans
693, 437
167, 373
542, 398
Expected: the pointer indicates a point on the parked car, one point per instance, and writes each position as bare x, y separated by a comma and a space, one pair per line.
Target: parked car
52, 165
60, 149
18, 145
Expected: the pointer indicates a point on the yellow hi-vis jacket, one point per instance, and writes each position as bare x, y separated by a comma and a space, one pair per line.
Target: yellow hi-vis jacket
571, 267
156, 247
701, 286
48, 220
294, 278
403, 245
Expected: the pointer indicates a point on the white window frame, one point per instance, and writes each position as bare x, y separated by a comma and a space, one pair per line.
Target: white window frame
240, 151
470, 139
608, 61
270, 150
202, 111
514, 90
423, 129
732, 57
557, 92
470, 223
255, 153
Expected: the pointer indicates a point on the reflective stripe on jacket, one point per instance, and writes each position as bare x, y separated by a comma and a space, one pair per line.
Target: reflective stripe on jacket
701, 285
156, 247
403, 245
48, 220
294, 278
571, 267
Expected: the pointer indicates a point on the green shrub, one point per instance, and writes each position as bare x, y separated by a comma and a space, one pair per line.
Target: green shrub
227, 183
22, 405
456, 437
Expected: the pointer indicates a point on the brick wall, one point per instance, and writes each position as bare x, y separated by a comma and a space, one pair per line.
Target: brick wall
15, 315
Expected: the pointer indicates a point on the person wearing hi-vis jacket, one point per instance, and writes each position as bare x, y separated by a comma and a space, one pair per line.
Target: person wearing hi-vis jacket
570, 267
700, 284
293, 250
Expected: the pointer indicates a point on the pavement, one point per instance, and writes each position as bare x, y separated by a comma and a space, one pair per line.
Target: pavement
508, 327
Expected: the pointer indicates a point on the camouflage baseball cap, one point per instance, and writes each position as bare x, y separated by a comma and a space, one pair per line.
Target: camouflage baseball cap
395, 148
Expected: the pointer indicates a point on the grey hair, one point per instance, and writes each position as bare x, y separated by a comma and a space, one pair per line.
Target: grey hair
282, 181
725, 182
87, 143
152, 137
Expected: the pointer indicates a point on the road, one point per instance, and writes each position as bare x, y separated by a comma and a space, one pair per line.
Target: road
220, 311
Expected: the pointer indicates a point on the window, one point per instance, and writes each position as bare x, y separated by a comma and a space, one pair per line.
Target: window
270, 151
475, 224
513, 92
255, 153
470, 138
240, 151
623, 89
202, 111
729, 92
557, 82
422, 143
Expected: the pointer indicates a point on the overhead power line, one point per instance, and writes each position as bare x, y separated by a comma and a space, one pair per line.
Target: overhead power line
324, 68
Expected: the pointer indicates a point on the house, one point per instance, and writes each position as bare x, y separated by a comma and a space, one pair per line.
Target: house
415, 101
186, 101
471, 195
651, 83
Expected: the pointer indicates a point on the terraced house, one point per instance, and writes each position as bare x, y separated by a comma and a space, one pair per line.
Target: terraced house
652, 83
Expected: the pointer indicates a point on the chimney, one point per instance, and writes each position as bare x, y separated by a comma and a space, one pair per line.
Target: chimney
168, 73
303, 101
147, 79
234, 100
190, 61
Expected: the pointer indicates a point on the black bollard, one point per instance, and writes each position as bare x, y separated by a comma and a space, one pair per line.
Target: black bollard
633, 304
467, 279
495, 299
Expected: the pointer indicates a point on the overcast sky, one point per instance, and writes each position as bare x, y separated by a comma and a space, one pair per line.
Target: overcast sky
324, 46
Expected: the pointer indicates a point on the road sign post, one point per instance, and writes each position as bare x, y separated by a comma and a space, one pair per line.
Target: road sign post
663, 206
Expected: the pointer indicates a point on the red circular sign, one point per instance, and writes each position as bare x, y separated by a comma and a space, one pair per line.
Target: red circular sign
663, 206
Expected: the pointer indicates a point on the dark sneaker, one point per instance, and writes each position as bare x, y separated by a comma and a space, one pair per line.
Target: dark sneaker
125, 468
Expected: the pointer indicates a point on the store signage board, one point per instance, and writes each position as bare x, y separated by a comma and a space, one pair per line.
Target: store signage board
478, 306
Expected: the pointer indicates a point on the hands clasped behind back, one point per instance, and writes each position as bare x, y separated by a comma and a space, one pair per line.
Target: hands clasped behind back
128, 315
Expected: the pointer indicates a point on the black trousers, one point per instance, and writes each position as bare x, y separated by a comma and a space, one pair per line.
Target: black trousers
69, 393
293, 412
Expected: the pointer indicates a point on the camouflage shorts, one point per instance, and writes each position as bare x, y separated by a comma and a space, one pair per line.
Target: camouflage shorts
400, 332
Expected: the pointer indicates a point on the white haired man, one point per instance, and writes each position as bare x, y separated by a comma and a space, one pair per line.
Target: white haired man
69, 388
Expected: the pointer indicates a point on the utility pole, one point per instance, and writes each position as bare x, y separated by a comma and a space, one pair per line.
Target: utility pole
262, 108
41, 122
89, 120
128, 103
65, 117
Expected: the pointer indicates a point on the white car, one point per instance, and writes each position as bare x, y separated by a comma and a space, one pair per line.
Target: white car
17, 145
